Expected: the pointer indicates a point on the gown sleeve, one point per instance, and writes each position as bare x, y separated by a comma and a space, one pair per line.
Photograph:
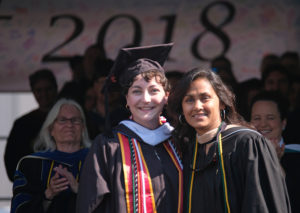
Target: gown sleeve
94, 180
264, 185
28, 189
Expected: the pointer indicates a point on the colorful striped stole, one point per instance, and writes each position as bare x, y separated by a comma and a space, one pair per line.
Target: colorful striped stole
138, 185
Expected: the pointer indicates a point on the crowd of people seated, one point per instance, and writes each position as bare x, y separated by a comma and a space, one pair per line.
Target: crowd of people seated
67, 121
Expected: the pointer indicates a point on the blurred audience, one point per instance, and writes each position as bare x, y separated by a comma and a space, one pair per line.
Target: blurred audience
76, 66
223, 67
294, 93
75, 88
291, 61
25, 129
271, 104
291, 131
173, 77
116, 103
89, 97
244, 95
276, 78
47, 181
268, 60
91, 56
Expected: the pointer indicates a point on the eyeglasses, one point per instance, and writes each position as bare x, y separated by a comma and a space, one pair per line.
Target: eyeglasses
74, 121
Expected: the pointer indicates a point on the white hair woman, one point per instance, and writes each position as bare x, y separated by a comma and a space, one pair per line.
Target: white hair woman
47, 181
45, 141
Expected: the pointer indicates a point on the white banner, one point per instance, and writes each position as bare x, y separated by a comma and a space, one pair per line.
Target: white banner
44, 34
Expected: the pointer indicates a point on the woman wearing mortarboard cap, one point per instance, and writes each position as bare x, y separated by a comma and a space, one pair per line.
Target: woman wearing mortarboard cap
135, 167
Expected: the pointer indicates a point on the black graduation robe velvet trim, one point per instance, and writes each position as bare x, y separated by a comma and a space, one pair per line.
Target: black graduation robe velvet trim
255, 181
30, 182
102, 188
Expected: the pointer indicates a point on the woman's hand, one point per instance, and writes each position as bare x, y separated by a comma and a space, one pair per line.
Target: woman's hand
69, 176
57, 184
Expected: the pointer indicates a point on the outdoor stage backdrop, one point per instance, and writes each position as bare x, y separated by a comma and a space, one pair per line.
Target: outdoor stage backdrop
45, 34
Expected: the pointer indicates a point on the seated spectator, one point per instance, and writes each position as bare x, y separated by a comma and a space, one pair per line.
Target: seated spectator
26, 128
269, 116
269, 112
47, 181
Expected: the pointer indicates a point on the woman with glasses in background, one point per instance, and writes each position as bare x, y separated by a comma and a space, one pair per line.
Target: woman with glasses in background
47, 181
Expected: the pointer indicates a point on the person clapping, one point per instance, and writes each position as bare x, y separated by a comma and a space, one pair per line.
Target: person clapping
47, 181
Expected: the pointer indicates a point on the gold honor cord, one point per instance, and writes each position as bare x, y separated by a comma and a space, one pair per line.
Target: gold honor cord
227, 207
51, 168
192, 177
224, 183
79, 167
50, 171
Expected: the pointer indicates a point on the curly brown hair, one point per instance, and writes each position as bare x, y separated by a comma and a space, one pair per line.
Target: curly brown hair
148, 75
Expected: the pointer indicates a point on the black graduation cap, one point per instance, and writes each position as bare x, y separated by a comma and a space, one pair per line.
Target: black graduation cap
133, 61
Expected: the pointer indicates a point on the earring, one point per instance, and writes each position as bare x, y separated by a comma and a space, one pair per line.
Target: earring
181, 119
127, 107
223, 114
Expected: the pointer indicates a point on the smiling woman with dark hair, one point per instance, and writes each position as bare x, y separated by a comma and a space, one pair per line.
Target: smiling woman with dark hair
228, 167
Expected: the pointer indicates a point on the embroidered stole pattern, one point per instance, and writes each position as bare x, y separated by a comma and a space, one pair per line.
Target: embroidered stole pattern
138, 185
177, 161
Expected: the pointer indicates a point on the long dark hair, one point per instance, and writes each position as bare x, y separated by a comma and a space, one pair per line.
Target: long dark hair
183, 131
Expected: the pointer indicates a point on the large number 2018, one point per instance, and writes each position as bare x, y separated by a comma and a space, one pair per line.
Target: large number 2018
50, 56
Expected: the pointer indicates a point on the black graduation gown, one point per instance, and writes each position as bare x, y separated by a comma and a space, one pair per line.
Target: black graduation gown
291, 164
102, 188
255, 181
31, 177
21, 139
